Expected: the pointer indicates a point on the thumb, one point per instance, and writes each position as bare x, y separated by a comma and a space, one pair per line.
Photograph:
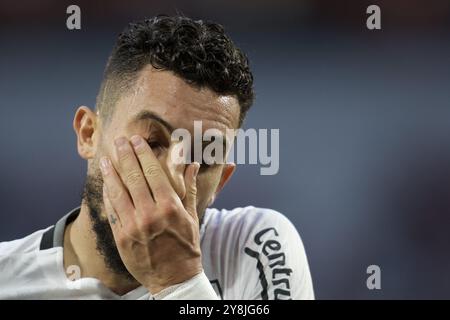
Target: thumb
190, 200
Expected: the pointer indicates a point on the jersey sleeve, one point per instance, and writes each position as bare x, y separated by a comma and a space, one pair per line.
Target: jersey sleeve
273, 262
197, 288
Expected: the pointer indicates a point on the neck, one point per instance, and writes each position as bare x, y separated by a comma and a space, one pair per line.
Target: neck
80, 250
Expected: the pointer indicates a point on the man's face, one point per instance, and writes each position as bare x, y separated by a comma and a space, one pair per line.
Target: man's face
158, 103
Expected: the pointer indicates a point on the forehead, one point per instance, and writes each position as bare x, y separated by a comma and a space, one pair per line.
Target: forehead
177, 102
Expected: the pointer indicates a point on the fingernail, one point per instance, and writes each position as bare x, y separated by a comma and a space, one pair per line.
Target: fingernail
197, 167
136, 140
105, 165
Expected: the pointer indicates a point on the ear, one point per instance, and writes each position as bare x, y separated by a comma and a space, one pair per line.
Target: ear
227, 172
85, 126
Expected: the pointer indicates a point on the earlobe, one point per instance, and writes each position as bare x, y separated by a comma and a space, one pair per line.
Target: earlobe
84, 124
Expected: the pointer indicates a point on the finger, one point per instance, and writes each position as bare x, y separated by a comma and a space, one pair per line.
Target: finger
117, 194
131, 173
154, 174
190, 201
113, 218
175, 171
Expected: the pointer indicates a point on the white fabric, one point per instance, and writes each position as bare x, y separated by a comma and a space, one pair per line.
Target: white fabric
248, 253
197, 288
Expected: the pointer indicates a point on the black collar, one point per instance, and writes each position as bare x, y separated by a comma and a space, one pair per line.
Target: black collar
54, 237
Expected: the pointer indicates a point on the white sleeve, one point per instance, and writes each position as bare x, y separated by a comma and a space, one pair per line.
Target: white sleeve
274, 263
196, 288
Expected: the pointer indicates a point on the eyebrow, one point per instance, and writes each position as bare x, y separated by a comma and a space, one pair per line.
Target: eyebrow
148, 115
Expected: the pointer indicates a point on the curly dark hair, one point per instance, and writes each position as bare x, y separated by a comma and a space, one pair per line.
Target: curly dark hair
197, 51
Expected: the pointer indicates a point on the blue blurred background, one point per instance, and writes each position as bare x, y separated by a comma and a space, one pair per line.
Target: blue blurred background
364, 121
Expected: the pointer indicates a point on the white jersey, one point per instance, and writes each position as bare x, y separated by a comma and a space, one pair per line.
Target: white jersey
248, 253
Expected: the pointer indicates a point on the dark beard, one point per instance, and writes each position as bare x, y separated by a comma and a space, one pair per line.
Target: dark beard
106, 245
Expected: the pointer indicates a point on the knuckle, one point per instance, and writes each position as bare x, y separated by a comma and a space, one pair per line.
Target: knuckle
125, 155
192, 191
169, 207
140, 151
114, 193
151, 171
133, 178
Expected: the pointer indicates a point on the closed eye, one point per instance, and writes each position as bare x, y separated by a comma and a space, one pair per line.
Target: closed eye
156, 146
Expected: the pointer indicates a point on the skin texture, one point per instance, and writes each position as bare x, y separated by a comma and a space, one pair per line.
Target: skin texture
139, 218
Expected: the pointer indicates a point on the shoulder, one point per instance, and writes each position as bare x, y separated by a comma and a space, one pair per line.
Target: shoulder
27, 271
260, 250
26, 244
248, 222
